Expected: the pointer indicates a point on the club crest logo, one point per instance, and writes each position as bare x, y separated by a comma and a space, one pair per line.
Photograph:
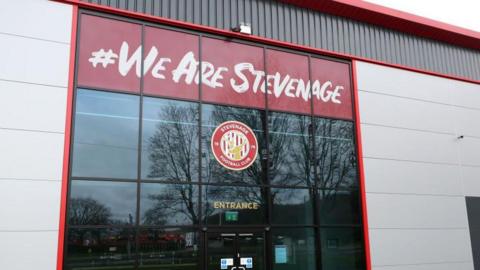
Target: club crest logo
234, 145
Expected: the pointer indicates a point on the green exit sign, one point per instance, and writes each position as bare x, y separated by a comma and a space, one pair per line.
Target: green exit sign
231, 216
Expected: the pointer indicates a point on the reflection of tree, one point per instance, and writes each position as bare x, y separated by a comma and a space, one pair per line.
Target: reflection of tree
290, 148
87, 211
173, 148
171, 201
335, 153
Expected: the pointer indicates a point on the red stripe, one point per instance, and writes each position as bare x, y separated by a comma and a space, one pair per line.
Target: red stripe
67, 142
360, 167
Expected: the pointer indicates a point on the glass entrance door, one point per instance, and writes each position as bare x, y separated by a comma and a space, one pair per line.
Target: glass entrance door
235, 251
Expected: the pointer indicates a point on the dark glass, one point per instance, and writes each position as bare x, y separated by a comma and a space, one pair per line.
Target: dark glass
244, 250
292, 206
342, 249
335, 153
220, 246
168, 204
168, 249
214, 172
170, 140
252, 245
473, 211
230, 205
102, 203
100, 248
106, 135
339, 206
293, 249
290, 150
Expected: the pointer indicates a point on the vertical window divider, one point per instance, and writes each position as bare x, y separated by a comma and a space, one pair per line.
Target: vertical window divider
266, 184
139, 157
314, 193
202, 227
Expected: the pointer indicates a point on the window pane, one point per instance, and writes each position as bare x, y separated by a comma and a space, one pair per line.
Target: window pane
168, 204
293, 249
335, 153
212, 171
339, 207
290, 150
102, 203
226, 205
342, 248
169, 249
170, 140
100, 249
106, 135
291, 206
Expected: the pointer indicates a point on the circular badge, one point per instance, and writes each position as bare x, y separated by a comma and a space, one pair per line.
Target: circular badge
234, 145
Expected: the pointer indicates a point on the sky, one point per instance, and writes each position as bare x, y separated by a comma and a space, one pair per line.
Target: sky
463, 13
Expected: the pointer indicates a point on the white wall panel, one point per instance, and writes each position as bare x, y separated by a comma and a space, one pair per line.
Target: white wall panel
470, 150
471, 181
37, 19
29, 205
466, 94
32, 107
31, 155
396, 143
393, 81
467, 121
417, 246
406, 113
393, 176
28, 250
430, 266
34, 61
401, 211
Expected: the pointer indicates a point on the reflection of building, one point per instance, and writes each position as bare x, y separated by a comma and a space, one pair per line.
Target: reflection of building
133, 176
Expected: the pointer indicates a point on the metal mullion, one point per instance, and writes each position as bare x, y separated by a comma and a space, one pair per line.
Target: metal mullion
102, 179
201, 220
314, 193
139, 153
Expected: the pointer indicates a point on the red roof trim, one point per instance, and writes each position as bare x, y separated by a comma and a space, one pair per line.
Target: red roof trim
394, 19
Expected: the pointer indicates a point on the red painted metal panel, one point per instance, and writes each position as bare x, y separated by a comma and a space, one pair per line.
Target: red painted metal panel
286, 72
109, 54
243, 78
67, 141
164, 51
363, 195
334, 99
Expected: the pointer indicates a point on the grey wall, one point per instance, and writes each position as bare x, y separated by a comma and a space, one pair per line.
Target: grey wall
35, 50
417, 171
306, 27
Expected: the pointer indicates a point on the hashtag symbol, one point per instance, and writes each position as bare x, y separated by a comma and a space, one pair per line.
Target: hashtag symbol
103, 57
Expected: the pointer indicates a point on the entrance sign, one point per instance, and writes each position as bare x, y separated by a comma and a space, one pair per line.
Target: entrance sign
236, 205
234, 145
112, 56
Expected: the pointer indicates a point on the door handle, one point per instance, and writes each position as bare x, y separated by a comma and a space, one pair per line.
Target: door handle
233, 268
242, 267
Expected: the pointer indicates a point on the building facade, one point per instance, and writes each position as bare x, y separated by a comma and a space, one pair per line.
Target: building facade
155, 135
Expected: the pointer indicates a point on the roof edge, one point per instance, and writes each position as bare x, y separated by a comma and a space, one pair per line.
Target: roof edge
394, 19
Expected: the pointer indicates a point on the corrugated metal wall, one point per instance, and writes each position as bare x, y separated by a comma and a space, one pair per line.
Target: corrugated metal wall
289, 23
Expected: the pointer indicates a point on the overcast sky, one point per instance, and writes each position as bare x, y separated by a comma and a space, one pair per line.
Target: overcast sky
464, 13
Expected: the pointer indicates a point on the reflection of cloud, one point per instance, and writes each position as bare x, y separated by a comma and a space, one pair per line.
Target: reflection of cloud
119, 197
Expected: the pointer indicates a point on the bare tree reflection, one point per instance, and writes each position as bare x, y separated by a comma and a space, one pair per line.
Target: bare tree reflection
173, 148
87, 211
173, 201
335, 154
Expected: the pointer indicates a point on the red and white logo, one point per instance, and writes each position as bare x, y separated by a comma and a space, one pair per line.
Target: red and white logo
234, 145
